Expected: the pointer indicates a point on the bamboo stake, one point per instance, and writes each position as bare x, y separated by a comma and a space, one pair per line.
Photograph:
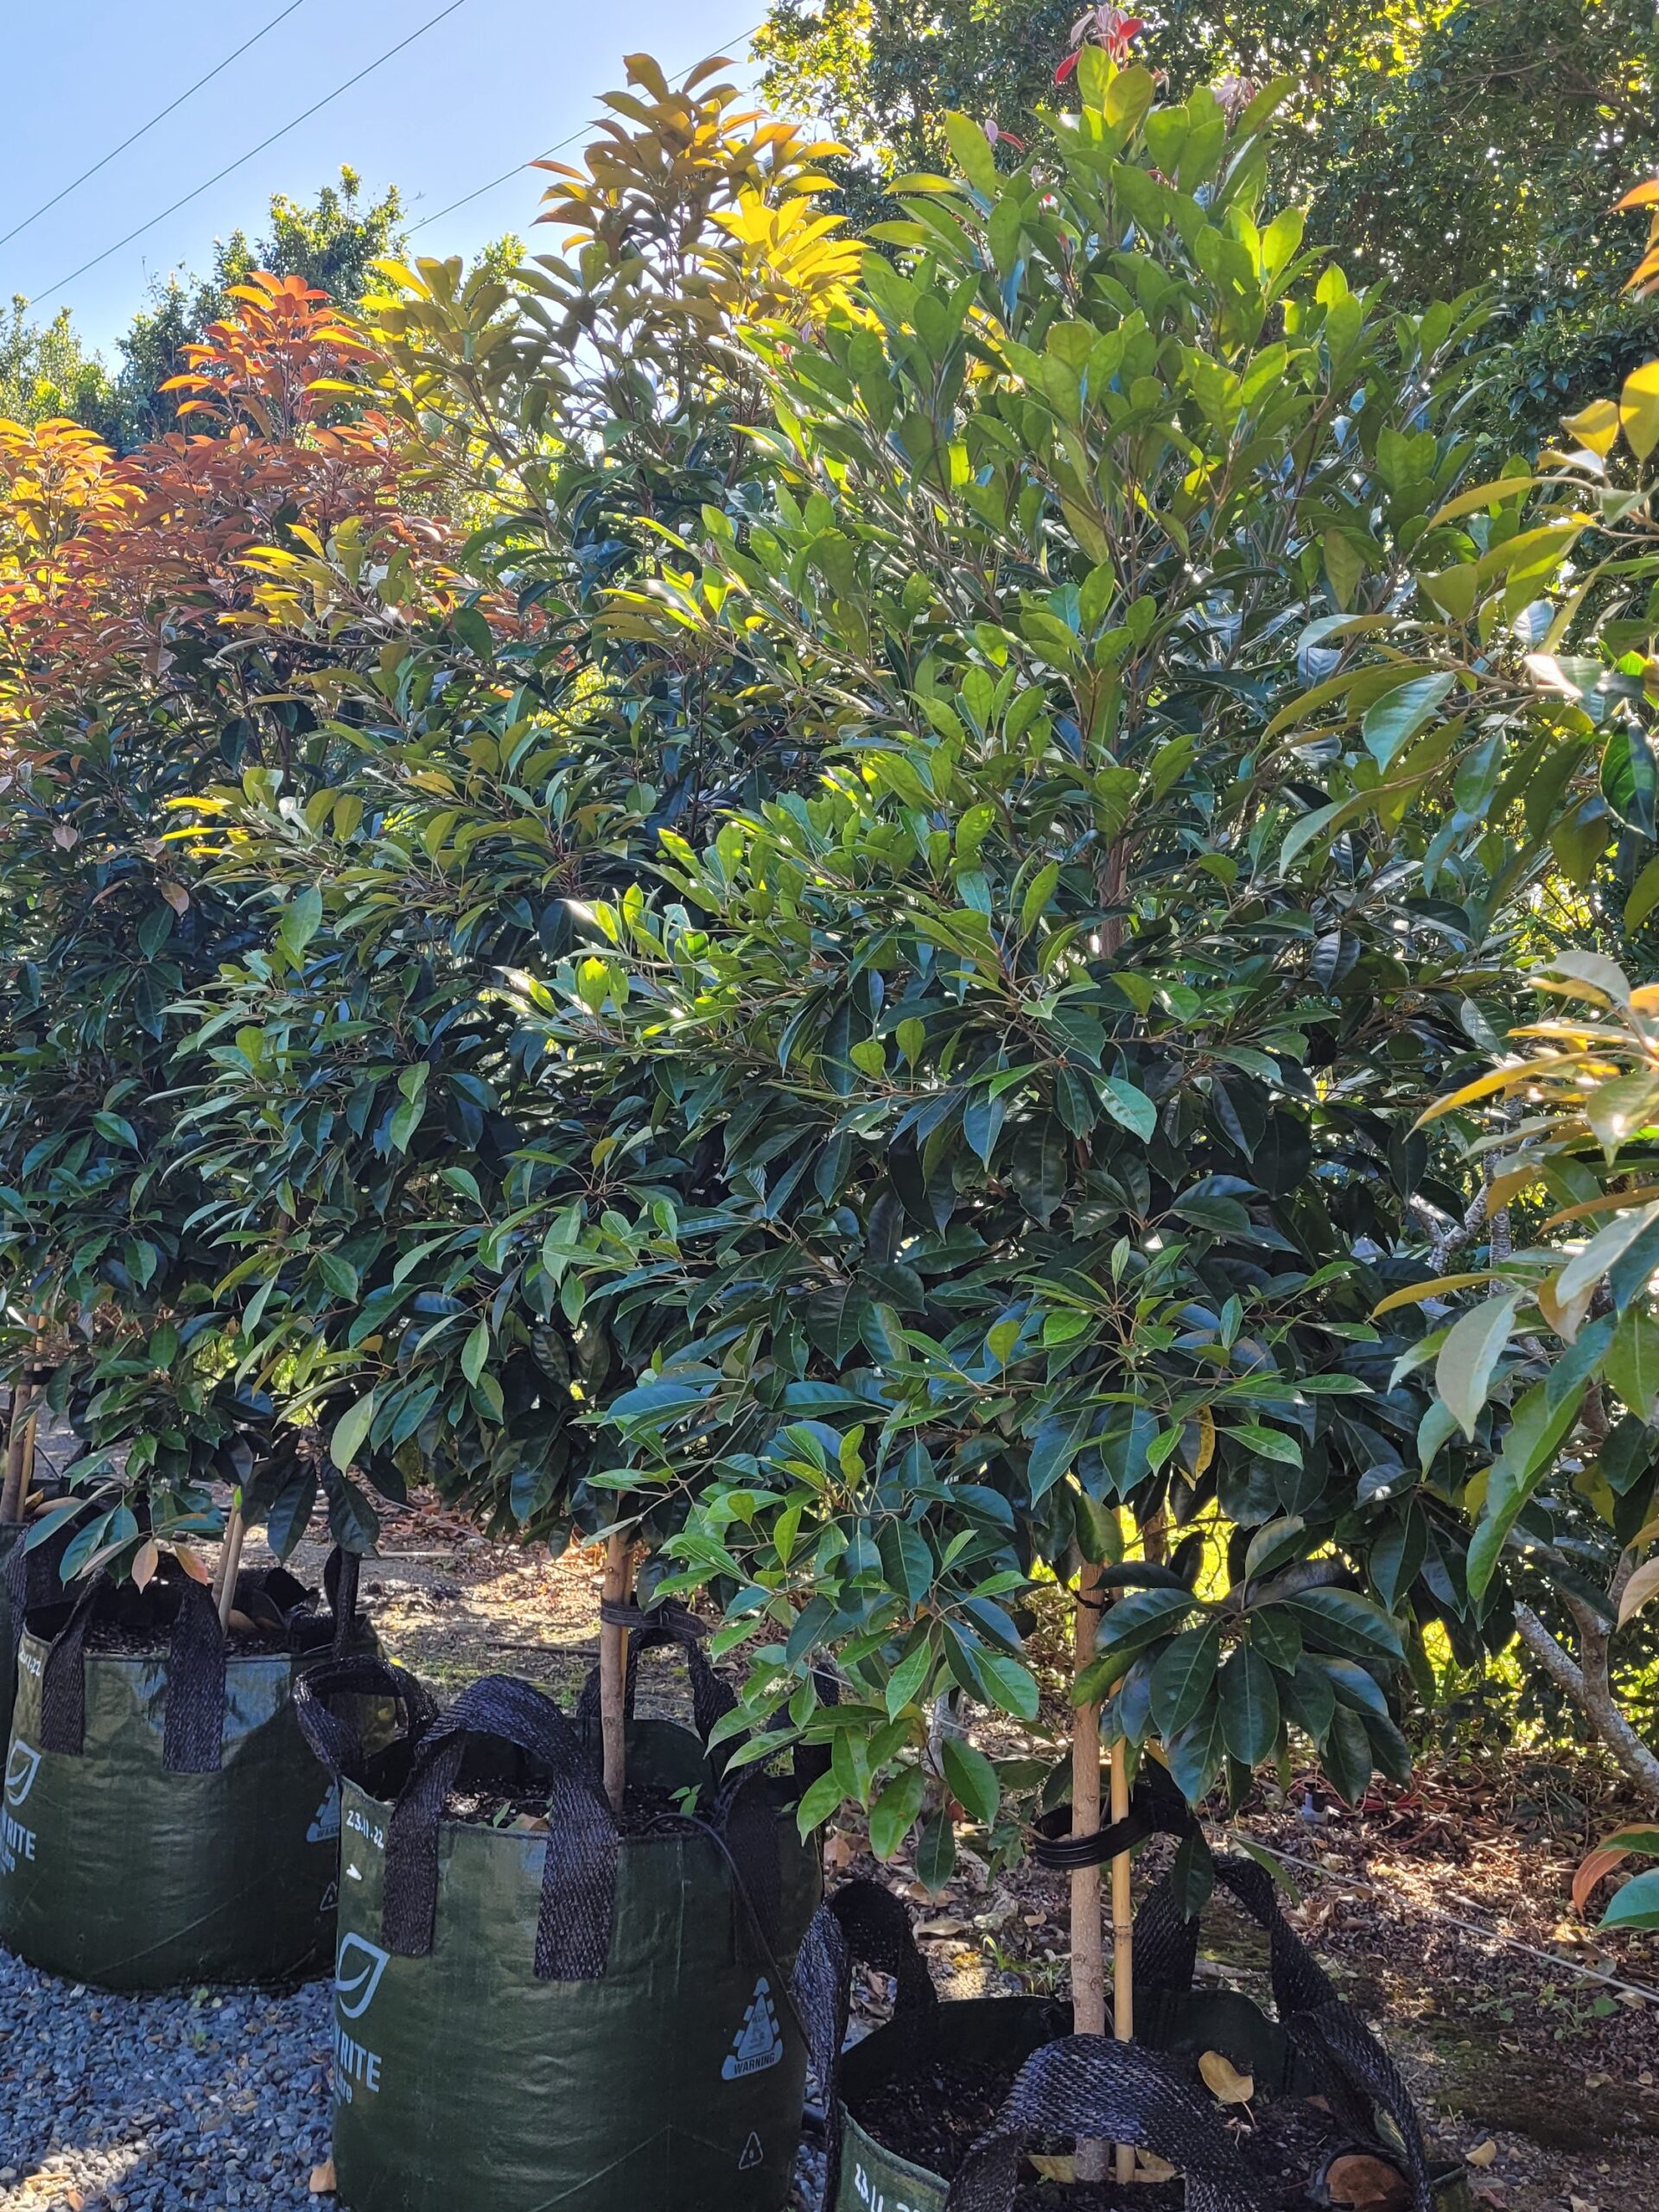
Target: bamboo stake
613, 1670
1088, 1960
230, 1559
1122, 1936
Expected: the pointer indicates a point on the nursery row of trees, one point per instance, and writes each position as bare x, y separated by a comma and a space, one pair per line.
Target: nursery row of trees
798, 905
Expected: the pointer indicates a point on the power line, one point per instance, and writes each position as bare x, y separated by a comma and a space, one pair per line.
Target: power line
432, 23
547, 153
161, 116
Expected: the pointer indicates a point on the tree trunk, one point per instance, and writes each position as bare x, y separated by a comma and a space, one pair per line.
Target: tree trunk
230, 1560
613, 1670
20, 1450
1123, 1934
1088, 1957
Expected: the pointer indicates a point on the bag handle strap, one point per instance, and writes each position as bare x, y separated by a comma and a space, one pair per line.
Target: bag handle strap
1355, 2073
193, 1738
333, 1739
1108, 2091
573, 1928
63, 1680
339, 1579
193, 1727
863, 1925
667, 1626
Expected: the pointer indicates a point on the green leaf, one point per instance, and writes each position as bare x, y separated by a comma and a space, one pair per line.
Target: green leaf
1397, 716
1143, 1617
1632, 1363
909, 1678
1009, 1685
351, 1432
1182, 1678
1128, 1107
302, 918
1196, 1754
1346, 1622
823, 1798
475, 1351
340, 1275
1249, 1707
896, 1810
936, 1853
1636, 1905
1463, 1373
1054, 1448
972, 1779
1536, 1432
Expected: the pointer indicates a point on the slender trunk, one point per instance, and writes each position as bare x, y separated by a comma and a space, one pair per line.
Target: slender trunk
613, 1670
19, 1453
1088, 1959
1123, 1934
229, 1559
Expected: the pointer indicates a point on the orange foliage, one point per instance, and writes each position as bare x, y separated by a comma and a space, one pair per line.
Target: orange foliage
109, 566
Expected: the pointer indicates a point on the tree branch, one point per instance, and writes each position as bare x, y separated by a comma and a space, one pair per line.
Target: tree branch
1587, 1683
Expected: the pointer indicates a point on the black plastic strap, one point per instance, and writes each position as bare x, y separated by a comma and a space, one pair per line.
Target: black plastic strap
1108, 2091
193, 1740
333, 1739
1156, 1808
63, 1680
573, 1928
339, 1580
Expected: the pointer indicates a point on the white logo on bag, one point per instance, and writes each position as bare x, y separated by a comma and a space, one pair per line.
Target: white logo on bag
16, 1840
758, 2043
325, 1822
754, 2155
21, 1769
868, 2194
357, 1975
357, 1970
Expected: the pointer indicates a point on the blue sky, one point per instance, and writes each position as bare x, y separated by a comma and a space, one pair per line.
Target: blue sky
498, 81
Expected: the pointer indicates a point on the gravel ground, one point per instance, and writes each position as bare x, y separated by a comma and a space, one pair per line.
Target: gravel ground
216, 2099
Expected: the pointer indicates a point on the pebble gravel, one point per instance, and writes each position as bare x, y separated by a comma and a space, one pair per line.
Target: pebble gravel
208, 2099
202, 2102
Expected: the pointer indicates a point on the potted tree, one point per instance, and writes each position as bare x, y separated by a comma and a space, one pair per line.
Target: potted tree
452, 1277
1064, 1043
159, 1700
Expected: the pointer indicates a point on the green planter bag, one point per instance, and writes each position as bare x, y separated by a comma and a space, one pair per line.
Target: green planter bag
595, 2017
164, 1823
1147, 2091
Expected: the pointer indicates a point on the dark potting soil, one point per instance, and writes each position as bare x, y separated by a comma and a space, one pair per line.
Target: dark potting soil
931, 2117
644, 1812
110, 1637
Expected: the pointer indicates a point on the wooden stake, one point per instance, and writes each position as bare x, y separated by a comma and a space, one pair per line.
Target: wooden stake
1122, 1935
613, 1670
1088, 1959
230, 1559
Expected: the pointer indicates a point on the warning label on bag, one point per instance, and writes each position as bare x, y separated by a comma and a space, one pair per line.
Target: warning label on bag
754, 2155
758, 2043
